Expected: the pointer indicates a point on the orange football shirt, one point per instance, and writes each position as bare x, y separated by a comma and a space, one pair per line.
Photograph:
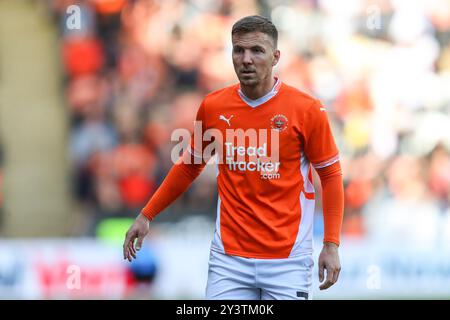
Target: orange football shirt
265, 205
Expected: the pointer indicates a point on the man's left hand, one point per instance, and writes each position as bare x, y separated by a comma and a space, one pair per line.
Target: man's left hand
329, 261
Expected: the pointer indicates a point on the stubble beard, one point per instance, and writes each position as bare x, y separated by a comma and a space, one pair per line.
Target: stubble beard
250, 82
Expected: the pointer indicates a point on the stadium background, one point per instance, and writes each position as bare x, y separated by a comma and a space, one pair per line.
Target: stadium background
87, 109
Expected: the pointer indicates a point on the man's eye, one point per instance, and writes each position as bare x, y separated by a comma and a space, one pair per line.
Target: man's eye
259, 50
237, 50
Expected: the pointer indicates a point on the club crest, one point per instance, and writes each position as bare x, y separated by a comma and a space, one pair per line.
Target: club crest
279, 122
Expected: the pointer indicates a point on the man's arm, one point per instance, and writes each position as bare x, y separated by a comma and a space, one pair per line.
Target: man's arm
179, 178
333, 211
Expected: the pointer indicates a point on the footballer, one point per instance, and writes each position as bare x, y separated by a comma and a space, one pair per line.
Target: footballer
268, 137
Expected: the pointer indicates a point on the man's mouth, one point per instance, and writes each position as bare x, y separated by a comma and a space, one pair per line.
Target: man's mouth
247, 71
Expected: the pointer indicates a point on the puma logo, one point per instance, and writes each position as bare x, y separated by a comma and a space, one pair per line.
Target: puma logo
222, 117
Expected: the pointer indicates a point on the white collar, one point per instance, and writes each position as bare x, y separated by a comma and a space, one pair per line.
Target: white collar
257, 102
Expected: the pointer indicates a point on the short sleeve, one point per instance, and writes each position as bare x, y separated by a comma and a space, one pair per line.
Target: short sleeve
319, 145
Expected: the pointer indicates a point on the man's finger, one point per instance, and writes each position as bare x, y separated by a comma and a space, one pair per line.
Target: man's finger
132, 253
129, 254
330, 274
125, 252
133, 250
326, 285
330, 279
321, 270
336, 275
128, 246
132, 238
131, 247
139, 241
125, 245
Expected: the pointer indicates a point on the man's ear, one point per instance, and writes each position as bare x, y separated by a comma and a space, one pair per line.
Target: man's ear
276, 57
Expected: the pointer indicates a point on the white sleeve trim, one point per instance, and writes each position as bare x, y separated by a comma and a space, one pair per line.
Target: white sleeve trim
326, 163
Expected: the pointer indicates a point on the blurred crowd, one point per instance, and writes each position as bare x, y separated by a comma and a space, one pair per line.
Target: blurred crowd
137, 70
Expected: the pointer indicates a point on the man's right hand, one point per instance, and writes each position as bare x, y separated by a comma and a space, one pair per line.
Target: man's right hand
138, 230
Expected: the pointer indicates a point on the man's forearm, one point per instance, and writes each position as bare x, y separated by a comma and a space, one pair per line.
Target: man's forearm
333, 201
176, 182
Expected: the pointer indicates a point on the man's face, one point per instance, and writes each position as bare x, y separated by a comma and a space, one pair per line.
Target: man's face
254, 56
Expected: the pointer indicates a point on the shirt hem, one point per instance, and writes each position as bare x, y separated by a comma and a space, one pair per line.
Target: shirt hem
259, 256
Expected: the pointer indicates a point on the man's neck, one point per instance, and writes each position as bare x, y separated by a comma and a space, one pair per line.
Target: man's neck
258, 91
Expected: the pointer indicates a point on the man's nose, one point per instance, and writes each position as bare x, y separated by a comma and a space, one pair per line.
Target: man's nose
247, 57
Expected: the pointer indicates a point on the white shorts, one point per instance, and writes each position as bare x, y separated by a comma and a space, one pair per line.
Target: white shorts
237, 278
